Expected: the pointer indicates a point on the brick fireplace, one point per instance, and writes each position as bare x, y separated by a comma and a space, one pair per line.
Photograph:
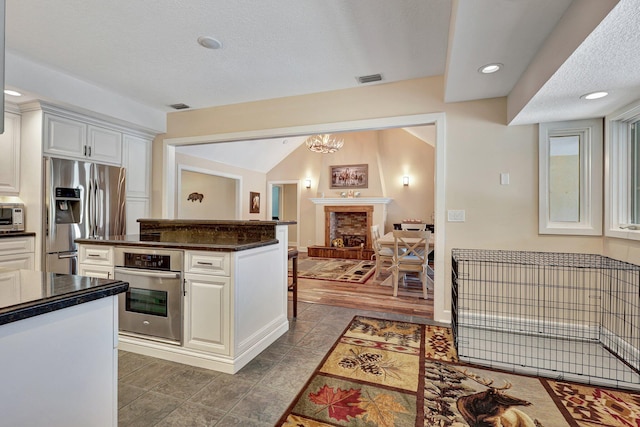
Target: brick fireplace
350, 223
349, 218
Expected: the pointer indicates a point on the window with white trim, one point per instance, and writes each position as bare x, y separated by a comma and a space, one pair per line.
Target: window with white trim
570, 177
622, 157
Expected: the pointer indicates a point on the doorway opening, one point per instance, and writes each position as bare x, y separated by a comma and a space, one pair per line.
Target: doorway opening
442, 311
283, 203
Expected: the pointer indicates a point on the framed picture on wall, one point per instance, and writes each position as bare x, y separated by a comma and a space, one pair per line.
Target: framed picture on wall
254, 202
349, 176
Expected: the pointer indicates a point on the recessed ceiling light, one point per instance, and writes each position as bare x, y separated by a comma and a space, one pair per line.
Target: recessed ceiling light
12, 92
209, 42
595, 95
490, 68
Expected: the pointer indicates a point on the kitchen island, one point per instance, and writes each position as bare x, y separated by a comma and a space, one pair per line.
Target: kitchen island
234, 298
58, 335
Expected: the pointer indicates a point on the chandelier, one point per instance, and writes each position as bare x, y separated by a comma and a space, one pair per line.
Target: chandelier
325, 143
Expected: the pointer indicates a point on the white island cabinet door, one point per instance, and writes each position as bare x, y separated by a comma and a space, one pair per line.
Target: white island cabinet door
206, 313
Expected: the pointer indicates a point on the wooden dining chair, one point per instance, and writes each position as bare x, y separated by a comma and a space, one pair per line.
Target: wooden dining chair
381, 254
411, 254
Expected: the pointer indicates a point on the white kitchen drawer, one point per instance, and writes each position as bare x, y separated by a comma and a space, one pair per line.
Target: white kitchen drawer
97, 255
16, 245
24, 261
216, 263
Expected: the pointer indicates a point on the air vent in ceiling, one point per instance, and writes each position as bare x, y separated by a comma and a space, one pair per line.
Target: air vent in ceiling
180, 106
369, 79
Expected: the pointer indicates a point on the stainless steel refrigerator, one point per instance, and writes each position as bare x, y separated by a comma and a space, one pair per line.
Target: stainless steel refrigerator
82, 200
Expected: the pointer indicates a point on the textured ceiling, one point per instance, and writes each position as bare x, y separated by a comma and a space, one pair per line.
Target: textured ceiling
148, 50
143, 54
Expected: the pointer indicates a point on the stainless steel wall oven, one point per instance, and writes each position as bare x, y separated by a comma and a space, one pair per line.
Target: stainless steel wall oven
152, 307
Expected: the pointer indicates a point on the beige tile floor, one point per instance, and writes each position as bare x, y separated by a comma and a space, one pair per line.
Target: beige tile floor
154, 392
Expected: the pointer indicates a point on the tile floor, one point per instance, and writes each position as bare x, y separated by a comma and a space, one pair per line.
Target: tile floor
154, 392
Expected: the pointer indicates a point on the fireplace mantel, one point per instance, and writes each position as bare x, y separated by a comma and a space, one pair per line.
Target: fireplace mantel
343, 201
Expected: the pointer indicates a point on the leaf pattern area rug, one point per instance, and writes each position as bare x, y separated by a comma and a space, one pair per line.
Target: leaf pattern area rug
389, 373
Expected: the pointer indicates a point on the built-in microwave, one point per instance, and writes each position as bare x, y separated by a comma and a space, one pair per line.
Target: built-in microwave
11, 217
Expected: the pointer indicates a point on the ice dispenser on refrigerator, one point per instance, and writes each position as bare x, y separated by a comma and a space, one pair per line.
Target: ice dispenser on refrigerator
68, 205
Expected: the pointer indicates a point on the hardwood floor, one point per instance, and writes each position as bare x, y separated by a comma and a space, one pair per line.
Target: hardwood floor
368, 296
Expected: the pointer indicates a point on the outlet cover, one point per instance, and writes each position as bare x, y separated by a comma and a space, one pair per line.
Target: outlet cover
455, 215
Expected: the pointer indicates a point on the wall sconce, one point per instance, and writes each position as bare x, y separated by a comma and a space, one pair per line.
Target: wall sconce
307, 183
405, 181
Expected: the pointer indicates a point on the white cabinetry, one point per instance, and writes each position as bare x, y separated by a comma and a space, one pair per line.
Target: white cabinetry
10, 287
60, 369
17, 252
10, 158
96, 261
207, 303
104, 145
71, 138
136, 160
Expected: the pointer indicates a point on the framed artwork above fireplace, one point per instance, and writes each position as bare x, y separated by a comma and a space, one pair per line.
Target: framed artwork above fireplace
349, 176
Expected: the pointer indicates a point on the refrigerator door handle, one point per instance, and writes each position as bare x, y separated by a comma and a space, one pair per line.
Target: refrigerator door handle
68, 255
98, 209
91, 210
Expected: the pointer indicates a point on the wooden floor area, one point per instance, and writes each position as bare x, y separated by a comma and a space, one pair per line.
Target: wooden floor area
368, 296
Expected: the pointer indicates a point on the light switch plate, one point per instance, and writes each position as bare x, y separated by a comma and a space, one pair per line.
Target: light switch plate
504, 178
455, 215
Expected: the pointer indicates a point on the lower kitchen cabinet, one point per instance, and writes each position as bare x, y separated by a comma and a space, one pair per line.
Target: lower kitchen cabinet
207, 313
99, 271
17, 252
95, 261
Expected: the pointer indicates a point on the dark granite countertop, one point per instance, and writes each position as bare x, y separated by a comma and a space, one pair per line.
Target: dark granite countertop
30, 293
210, 222
198, 234
181, 240
17, 234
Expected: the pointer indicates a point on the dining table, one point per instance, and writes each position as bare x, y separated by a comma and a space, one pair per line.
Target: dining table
388, 241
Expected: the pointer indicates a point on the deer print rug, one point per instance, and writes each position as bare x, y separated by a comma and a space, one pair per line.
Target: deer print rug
389, 373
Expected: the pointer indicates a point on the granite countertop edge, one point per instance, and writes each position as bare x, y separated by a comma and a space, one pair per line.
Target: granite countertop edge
10, 234
213, 247
47, 305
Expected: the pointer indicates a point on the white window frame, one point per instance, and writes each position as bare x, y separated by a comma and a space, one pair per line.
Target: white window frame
590, 134
617, 132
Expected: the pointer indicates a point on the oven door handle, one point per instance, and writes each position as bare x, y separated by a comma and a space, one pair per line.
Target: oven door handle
148, 273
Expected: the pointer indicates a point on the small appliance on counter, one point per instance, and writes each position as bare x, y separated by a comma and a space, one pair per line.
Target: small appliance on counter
11, 217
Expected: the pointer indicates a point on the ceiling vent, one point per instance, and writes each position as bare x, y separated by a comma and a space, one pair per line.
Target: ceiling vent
180, 106
369, 79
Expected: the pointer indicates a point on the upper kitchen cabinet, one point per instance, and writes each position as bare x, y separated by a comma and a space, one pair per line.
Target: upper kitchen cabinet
137, 161
104, 145
71, 138
10, 158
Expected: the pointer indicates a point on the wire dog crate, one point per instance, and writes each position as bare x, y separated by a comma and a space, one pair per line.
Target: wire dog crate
560, 315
